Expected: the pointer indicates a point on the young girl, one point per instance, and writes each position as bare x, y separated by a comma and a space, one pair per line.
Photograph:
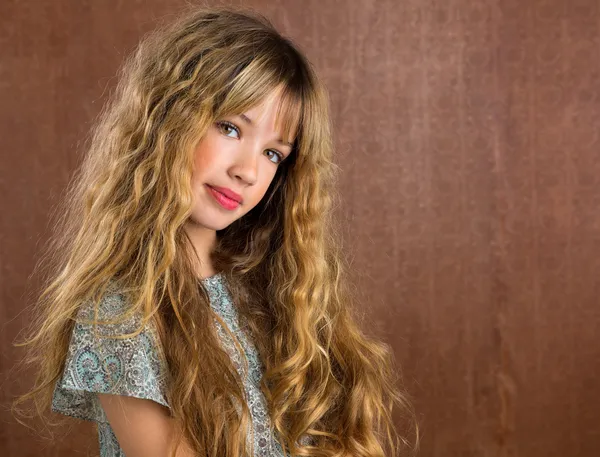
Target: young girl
197, 303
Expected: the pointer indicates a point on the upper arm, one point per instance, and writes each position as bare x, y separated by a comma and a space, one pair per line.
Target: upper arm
99, 360
118, 380
142, 427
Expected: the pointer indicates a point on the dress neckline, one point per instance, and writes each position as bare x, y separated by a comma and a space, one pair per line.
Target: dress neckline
213, 278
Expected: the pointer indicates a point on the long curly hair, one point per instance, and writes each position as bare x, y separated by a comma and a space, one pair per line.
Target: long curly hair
122, 219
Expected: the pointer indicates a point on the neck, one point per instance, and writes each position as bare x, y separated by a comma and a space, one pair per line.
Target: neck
203, 242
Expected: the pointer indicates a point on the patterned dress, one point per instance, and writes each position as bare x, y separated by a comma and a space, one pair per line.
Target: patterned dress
134, 367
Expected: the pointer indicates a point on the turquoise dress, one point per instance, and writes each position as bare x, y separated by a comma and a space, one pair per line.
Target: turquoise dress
135, 368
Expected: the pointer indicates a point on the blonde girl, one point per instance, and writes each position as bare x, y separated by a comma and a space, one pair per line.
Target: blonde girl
196, 300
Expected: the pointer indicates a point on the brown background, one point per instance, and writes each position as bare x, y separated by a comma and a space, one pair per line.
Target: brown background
467, 132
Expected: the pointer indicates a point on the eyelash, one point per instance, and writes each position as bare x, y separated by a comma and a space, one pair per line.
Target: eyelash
221, 124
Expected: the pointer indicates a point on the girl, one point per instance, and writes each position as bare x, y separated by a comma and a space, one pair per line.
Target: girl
197, 303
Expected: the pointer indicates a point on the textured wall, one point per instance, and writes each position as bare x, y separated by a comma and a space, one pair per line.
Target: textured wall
467, 132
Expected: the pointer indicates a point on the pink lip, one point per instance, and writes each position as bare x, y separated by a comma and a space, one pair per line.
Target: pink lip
228, 193
222, 199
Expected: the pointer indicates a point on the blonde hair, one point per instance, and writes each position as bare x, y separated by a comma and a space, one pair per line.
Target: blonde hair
122, 221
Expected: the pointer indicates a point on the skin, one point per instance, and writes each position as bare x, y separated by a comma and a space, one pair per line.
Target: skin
244, 160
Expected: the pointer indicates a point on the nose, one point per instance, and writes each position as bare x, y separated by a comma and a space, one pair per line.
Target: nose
245, 166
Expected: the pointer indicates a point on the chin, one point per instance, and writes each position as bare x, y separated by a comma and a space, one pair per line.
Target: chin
212, 223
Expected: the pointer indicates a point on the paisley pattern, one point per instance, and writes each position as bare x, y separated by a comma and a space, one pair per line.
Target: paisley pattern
134, 367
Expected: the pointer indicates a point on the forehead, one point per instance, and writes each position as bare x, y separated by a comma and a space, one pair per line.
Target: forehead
282, 108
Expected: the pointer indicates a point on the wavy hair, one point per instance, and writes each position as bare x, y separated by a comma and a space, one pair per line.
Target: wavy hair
122, 219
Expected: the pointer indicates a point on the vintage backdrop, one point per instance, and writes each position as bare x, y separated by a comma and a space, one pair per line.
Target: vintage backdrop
467, 134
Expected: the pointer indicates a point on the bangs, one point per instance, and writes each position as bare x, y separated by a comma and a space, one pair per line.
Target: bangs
289, 115
253, 82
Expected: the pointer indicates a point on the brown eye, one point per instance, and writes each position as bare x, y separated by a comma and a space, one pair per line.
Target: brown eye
227, 128
276, 154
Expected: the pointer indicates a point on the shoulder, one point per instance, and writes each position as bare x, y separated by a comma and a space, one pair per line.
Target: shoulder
111, 315
120, 358
110, 333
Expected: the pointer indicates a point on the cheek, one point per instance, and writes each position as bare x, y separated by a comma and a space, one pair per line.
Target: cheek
265, 187
206, 154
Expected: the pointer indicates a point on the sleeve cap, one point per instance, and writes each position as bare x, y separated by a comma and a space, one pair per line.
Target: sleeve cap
97, 362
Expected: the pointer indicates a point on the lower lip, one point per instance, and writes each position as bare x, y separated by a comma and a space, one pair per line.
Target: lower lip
224, 201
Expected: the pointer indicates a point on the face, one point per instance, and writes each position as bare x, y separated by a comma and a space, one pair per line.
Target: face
235, 163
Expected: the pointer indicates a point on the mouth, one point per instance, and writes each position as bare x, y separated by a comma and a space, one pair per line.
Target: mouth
223, 200
228, 193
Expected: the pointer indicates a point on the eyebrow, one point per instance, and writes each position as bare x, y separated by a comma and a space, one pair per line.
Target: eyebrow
250, 122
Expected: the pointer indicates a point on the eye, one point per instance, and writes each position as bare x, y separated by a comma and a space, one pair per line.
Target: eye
277, 154
227, 127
